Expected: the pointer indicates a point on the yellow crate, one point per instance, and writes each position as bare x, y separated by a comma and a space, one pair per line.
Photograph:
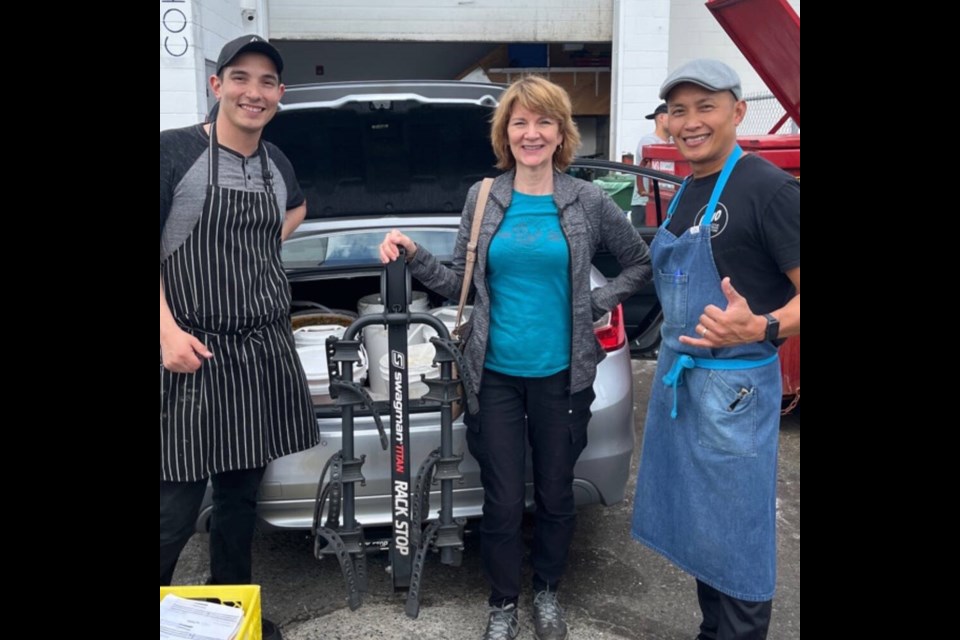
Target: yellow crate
245, 596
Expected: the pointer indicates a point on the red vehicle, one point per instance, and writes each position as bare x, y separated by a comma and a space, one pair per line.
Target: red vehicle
767, 32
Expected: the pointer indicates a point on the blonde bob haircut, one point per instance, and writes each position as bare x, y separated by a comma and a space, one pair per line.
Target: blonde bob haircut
540, 96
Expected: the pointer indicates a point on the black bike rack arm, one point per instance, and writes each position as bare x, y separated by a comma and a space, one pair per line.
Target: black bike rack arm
344, 540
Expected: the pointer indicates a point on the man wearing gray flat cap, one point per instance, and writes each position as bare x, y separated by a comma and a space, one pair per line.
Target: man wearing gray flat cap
727, 271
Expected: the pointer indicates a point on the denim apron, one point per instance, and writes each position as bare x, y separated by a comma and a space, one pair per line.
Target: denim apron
706, 488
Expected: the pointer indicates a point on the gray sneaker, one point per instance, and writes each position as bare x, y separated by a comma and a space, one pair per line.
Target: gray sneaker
503, 623
548, 623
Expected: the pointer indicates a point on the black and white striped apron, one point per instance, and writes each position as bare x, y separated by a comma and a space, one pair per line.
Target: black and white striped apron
225, 285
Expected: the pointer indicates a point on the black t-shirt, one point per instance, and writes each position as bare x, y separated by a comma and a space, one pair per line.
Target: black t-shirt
755, 232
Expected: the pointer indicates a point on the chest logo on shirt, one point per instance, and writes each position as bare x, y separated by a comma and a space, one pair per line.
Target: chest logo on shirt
531, 233
719, 222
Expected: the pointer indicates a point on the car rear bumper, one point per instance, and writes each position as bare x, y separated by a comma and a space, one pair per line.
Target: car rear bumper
289, 489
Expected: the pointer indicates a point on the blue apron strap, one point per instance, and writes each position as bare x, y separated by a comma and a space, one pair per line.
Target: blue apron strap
675, 377
711, 209
675, 201
731, 364
717, 189
683, 362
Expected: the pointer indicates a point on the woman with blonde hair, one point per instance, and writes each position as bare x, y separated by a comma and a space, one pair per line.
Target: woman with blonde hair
533, 354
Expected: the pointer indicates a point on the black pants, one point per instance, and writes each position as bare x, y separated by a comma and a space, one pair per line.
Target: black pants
556, 428
727, 618
231, 525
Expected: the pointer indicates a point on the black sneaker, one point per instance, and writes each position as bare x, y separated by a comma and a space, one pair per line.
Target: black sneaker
270, 630
548, 622
502, 624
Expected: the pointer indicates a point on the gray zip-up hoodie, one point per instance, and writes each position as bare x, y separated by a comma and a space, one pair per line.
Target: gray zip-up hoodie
590, 220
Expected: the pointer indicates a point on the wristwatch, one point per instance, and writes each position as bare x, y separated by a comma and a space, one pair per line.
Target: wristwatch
773, 328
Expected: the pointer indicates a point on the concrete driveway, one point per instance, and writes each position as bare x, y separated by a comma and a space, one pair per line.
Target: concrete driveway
615, 588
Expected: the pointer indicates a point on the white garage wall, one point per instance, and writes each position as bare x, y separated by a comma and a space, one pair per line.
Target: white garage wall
192, 32
452, 20
642, 31
180, 56
650, 37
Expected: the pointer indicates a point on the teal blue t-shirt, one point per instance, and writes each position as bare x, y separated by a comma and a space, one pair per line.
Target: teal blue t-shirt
528, 275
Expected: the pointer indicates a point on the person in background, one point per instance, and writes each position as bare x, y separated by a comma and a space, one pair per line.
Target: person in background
539, 233
660, 135
233, 395
727, 265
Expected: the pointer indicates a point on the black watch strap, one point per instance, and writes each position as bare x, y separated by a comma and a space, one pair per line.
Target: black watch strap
773, 328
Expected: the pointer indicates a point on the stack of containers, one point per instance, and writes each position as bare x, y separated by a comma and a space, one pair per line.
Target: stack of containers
375, 342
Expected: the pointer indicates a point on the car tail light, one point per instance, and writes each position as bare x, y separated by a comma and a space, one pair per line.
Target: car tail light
609, 329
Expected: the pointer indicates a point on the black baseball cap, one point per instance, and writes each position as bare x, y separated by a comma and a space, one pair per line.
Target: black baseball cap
245, 44
662, 108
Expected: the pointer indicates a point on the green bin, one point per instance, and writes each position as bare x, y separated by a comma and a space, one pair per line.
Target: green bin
619, 187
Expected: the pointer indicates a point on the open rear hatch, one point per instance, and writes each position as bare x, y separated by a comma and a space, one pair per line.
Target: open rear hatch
393, 148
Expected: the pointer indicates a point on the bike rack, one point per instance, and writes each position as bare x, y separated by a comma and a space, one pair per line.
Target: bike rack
410, 502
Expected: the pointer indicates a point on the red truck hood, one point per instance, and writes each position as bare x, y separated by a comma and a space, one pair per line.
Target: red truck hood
767, 32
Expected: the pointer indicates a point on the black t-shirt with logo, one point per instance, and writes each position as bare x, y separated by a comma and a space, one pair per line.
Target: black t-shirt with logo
755, 231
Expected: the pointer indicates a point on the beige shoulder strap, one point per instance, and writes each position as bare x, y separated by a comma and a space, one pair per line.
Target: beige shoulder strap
472, 245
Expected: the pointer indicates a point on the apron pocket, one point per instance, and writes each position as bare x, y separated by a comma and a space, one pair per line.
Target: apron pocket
728, 413
672, 289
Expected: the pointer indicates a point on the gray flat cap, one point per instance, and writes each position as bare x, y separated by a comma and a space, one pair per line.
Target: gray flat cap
709, 74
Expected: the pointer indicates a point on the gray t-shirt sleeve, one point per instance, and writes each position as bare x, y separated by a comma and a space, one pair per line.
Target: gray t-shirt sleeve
179, 150
645, 140
166, 187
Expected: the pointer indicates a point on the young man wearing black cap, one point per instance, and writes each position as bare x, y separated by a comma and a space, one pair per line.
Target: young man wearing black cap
233, 395
728, 265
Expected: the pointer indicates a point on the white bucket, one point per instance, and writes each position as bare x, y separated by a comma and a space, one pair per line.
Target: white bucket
314, 361
316, 334
311, 343
376, 341
375, 337
373, 304
419, 361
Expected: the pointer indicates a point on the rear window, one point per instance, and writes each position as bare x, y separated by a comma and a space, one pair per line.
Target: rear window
390, 157
358, 248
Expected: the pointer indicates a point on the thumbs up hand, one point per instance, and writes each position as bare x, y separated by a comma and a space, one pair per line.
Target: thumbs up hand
736, 324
